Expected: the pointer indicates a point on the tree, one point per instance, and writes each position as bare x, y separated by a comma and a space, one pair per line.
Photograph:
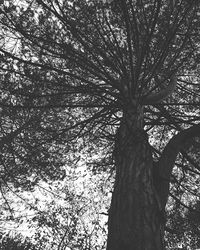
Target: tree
115, 70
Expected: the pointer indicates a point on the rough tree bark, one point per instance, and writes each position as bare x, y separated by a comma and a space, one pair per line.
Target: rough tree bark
135, 220
137, 212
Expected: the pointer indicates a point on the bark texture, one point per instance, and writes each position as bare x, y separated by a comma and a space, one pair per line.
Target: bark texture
135, 221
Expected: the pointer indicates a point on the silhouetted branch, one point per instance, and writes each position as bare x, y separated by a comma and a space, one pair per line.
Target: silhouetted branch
168, 157
164, 93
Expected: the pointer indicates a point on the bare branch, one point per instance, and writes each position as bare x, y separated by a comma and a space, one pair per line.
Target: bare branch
168, 158
164, 93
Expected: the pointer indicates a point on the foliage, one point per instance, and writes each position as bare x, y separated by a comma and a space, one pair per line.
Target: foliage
16, 243
184, 227
66, 213
68, 71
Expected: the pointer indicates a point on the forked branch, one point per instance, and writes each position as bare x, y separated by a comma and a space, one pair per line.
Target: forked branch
163, 94
168, 158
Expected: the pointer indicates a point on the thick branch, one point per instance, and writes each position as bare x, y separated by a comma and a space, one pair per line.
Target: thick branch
168, 157
164, 93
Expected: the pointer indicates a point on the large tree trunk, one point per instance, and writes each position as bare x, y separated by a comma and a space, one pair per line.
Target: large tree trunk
135, 216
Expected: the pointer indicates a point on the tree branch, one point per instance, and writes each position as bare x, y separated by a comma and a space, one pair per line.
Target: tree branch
168, 157
164, 93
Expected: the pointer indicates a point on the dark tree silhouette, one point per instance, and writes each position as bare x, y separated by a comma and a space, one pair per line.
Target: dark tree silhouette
122, 70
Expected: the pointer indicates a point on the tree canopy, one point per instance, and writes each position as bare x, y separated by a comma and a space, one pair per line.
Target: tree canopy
69, 70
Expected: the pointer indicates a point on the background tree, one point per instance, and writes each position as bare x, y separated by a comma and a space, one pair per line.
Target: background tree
86, 70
